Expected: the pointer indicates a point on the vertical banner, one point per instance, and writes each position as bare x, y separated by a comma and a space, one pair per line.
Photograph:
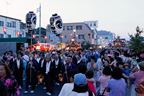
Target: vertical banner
54, 39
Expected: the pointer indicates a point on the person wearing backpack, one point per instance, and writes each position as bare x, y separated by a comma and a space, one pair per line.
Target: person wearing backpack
139, 79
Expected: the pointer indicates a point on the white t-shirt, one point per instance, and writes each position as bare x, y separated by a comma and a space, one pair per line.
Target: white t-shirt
84, 94
67, 90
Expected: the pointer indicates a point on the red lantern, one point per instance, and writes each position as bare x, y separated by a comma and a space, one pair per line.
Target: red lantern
67, 44
62, 36
54, 37
138, 32
4, 30
18, 33
45, 37
72, 39
51, 40
33, 36
70, 34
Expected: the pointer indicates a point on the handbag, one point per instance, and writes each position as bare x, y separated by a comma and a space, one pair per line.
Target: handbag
102, 93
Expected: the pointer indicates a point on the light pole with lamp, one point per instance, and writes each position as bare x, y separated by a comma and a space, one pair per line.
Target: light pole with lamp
74, 30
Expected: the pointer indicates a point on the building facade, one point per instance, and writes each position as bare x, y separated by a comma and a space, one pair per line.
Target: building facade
11, 26
93, 25
105, 37
80, 31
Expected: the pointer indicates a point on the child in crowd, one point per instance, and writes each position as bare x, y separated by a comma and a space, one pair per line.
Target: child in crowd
107, 72
90, 82
126, 70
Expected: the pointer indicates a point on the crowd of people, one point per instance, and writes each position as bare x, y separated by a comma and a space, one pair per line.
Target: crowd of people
80, 72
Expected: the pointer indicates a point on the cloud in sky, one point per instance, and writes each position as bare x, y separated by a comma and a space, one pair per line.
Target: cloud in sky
118, 16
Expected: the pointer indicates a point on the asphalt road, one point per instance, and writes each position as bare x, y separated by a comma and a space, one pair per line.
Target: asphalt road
39, 91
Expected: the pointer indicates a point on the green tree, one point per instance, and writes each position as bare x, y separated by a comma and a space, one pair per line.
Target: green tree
85, 45
43, 31
136, 41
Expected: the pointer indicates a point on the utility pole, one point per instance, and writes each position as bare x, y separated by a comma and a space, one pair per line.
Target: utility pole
40, 23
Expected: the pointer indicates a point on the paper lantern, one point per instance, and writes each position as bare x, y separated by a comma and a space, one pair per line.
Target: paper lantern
45, 37
56, 24
18, 33
33, 36
31, 20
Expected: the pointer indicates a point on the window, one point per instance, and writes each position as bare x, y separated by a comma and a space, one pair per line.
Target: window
80, 36
1, 23
78, 27
13, 24
106, 37
90, 24
69, 27
1, 35
9, 36
63, 27
94, 24
92, 35
65, 36
88, 36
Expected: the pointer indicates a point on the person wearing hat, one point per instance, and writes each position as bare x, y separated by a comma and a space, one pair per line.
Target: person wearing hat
81, 86
139, 76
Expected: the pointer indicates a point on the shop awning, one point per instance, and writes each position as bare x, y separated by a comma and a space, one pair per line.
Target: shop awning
19, 39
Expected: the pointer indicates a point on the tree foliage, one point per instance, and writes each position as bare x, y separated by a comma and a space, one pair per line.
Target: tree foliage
136, 41
85, 45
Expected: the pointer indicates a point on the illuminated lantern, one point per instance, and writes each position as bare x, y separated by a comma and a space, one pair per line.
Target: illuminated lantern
70, 34
62, 36
4, 30
60, 79
67, 44
18, 33
54, 37
45, 37
138, 32
72, 39
34, 36
31, 20
56, 24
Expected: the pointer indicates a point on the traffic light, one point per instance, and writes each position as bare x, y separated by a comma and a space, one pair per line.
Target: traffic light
4, 30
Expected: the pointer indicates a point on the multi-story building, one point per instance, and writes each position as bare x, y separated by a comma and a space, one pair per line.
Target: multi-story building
11, 26
80, 30
105, 37
93, 25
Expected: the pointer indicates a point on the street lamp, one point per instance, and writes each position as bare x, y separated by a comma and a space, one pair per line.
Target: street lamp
74, 30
